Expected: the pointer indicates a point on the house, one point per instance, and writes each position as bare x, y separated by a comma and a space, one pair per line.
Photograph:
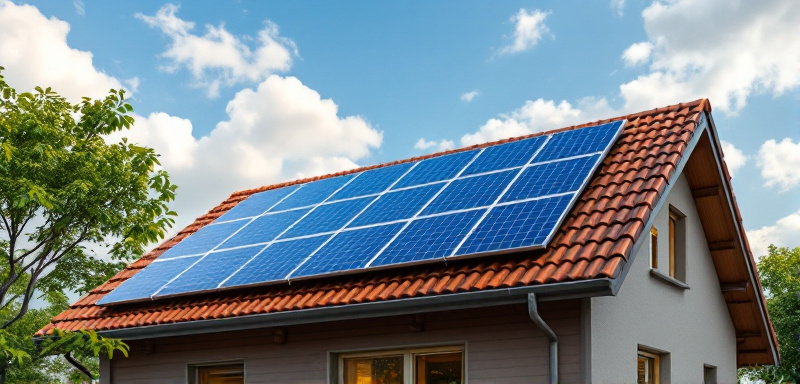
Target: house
647, 278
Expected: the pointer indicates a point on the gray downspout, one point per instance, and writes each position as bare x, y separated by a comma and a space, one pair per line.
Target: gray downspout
533, 312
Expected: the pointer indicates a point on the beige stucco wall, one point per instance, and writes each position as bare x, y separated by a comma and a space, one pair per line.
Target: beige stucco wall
502, 345
692, 325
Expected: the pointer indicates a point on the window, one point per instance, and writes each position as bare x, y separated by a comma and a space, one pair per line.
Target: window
653, 248
709, 374
217, 373
412, 366
677, 245
647, 366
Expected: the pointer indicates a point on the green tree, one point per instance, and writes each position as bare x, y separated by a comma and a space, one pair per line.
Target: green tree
66, 191
780, 276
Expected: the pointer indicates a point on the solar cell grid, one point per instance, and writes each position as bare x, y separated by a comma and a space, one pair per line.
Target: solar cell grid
264, 228
551, 178
275, 262
373, 181
428, 238
508, 155
204, 239
145, 283
257, 204
470, 192
313, 192
436, 169
349, 250
210, 271
299, 231
397, 205
327, 218
516, 226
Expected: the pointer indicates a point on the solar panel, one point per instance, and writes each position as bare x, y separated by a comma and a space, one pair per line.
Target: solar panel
501, 198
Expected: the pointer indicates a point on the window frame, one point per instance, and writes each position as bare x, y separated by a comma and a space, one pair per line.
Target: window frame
409, 359
192, 368
676, 245
653, 247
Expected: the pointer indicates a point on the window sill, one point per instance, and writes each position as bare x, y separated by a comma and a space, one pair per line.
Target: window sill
668, 279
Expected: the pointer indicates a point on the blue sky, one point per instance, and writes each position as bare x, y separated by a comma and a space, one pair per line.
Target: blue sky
243, 94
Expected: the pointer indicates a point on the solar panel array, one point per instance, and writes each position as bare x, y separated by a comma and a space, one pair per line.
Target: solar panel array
500, 198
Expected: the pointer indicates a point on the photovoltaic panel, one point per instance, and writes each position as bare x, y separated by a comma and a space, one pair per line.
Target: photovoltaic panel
264, 228
349, 250
499, 198
551, 178
328, 217
429, 238
397, 205
275, 262
580, 141
516, 226
313, 192
203, 240
141, 285
436, 169
471, 192
257, 203
373, 181
210, 271
508, 155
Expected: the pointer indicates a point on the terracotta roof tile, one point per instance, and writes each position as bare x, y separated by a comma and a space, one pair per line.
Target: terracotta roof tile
594, 241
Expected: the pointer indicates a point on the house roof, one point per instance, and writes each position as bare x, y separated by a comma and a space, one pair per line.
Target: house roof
594, 242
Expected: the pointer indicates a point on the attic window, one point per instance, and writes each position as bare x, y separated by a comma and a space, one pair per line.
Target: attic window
677, 245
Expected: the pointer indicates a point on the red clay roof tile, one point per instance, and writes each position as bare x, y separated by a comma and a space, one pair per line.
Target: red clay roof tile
594, 241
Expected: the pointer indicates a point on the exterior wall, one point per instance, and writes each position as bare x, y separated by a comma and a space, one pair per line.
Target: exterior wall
502, 345
692, 325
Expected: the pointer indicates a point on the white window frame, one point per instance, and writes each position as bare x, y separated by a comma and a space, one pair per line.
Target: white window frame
409, 361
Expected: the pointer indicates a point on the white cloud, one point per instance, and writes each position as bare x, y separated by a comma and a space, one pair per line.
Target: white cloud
538, 116
783, 234
618, 6
734, 158
469, 96
780, 163
132, 84
80, 9
425, 145
637, 53
282, 130
721, 49
529, 28
35, 53
219, 58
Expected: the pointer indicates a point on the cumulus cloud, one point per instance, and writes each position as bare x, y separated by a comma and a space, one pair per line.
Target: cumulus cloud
281, 130
637, 53
218, 58
782, 234
734, 158
425, 145
724, 50
469, 96
35, 53
529, 28
780, 163
538, 116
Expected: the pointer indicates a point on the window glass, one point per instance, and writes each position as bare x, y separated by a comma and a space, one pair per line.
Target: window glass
220, 374
439, 368
647, 368
374, 370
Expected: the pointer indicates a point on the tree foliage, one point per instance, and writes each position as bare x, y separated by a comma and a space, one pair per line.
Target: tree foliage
74, 205
780, 276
